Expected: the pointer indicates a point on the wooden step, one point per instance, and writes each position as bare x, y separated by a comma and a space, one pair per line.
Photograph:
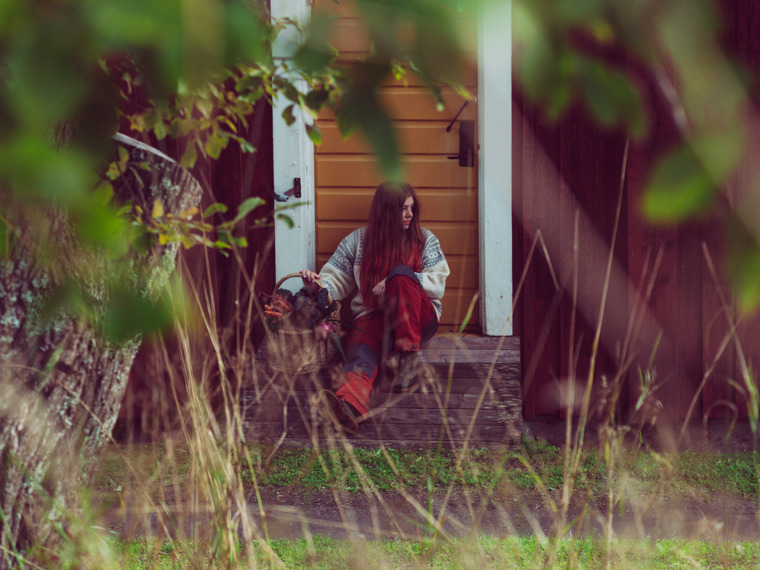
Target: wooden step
469, 393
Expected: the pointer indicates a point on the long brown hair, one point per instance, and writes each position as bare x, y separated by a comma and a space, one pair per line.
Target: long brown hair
386, 242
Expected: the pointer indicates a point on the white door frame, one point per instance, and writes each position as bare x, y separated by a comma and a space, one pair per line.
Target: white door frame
495, 166
295, 248
293, 157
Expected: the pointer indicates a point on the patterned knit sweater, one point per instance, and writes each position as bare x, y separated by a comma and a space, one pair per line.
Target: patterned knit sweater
340, 274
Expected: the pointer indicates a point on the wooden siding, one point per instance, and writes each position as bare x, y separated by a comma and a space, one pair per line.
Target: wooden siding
682, 321
347, 172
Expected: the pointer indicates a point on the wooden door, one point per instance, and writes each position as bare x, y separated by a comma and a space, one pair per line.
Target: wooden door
346, 173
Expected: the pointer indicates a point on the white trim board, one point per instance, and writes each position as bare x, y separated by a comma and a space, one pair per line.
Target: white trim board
495, 167
295, 248
293, 157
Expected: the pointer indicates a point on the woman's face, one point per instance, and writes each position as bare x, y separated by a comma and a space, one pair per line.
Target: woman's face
407, 212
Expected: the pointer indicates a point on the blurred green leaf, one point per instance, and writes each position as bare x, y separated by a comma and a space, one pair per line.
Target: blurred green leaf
612, 99
205, 106
346, 120
248, 206
140, 239
190, 155
573, 12
159, 129
316, 100
35, 169
288, 115
135, 22
129, 314
287, 220
316, 53
361, 108
245, 39
103, 193
11, 15
213, 209
744, 264
720, 151
48, 73
245, 146
377, 127
215, 143
100, 225
65, 297
314, 133
536, 59
678, 188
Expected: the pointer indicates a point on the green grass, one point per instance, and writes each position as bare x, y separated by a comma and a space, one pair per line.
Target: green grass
483, 552
395, 469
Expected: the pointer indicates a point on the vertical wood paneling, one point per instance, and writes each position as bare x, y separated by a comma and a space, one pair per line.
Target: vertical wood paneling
684, 311
718, 356
540, 299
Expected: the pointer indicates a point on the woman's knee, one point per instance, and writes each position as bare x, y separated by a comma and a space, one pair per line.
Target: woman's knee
401, 271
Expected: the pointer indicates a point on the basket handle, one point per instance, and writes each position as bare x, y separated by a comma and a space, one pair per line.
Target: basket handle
318, 281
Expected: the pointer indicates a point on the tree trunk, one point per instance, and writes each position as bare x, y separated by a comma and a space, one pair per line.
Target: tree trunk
61, 383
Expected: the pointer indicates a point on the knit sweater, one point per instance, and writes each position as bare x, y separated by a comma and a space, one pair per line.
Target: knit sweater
341, 274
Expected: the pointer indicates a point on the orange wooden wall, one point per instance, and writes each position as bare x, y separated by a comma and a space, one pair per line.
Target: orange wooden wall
347, 175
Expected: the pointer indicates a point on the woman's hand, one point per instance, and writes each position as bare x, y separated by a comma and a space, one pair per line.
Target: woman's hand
379, 289
309, 279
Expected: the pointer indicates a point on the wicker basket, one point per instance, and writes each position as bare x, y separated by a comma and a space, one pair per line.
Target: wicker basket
297, 351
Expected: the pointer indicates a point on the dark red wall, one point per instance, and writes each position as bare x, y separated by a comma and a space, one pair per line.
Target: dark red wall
149, 407
572, 165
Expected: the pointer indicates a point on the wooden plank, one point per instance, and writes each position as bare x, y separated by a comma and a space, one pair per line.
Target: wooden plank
483, 357
464, 272
474, 342
421, 172
486, 415
351, 38
455, 305
414, 138
462, 388
418, 104
436, 205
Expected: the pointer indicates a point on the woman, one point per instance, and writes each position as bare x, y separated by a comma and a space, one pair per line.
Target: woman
395, 272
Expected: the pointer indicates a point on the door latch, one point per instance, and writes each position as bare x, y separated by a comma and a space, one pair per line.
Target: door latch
466, 154
294, 191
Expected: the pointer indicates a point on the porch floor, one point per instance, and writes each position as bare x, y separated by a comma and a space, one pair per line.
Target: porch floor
469, 394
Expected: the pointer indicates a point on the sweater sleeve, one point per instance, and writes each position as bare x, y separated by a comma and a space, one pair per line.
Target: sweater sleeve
338, 273
434, 270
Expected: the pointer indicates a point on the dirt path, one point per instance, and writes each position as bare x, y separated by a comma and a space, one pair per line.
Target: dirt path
293, 513
296, 512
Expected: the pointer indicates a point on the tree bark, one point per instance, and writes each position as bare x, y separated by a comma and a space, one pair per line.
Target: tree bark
61, 383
